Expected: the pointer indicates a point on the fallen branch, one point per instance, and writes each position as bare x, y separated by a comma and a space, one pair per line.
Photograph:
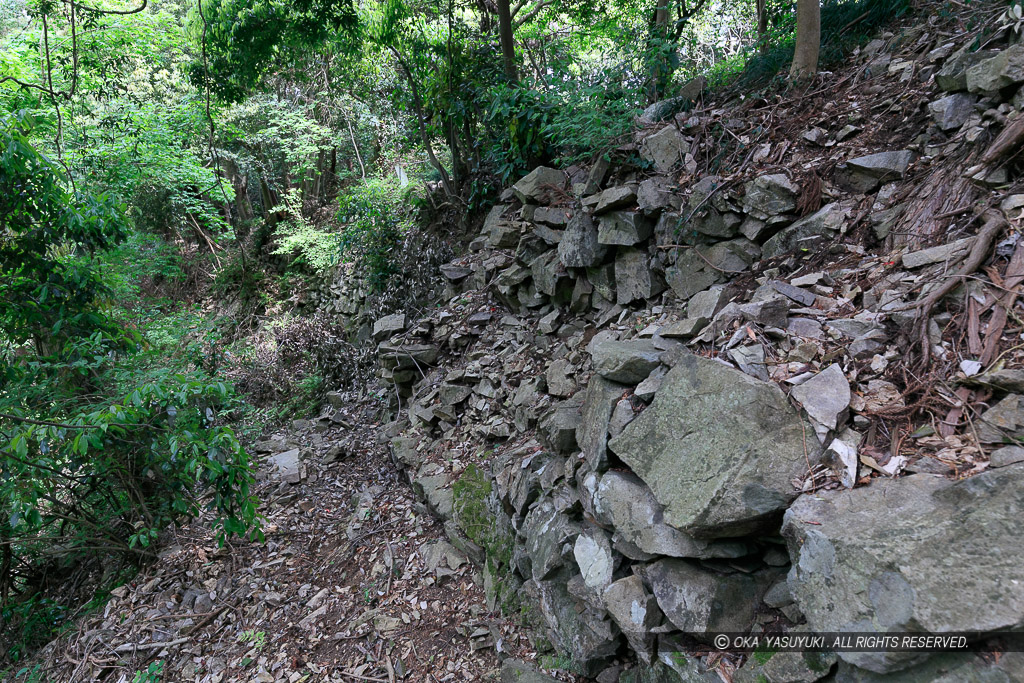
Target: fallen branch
994, 223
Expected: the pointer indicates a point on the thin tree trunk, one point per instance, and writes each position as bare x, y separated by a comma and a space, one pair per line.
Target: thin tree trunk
508, 46
762, 26
808, 40
655, 45
446, 180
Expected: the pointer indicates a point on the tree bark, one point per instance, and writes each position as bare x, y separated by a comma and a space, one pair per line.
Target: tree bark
659, 68
762, 26
808, 40
508, 45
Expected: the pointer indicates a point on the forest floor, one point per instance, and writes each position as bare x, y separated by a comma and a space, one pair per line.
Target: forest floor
355, 582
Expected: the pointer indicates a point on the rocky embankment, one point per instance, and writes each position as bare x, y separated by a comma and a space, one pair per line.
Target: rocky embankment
662, 402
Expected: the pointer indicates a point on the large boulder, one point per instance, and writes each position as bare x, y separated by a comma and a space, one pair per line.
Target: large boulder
541, 186
809, 232
718, 448
918, 554
992, 75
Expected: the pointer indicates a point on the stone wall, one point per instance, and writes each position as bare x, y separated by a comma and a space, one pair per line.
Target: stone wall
650, 410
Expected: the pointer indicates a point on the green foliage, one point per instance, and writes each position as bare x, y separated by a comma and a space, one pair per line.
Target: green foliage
46, 295
99, 451
152, 673
375, 215
590, 121
524, 116
318, 249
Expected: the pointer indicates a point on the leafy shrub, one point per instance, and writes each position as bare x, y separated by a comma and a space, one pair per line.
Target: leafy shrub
375, 215
89, 475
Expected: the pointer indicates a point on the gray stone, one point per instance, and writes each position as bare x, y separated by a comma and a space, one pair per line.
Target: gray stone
635, 611
550, 236
825, 396
580, 633
645, 390
690, 275
654, 194
664, 149
885, 166
553, 216
950, 667
732, 256
545, 531
770, 195
454, 394
787, 667
698, 600
952, 77
603, 280
559, 378
707, 303
431, 484
623, 228
622, 415
773, 312
952, 111
626, 504
1001, 71
615, 198
750, 360
714, 223
402, 356
560, 426
938, 254
854, 328
920, 553
501, 234
1003, 421
592, 434
684, 329
718, 448
517, 671
286, 466
1005, 456
389, 325
579, 247
404, 453
593, 553
808, 233
627, 362
664, 109
540, 186
550, 276
634, 278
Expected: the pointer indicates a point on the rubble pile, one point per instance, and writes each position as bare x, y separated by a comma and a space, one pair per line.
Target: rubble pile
661, 403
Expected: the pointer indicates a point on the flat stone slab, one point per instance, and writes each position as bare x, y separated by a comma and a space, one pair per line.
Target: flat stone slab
718, 448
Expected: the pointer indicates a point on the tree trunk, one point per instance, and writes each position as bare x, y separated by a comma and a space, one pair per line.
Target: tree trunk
762, 26
808, 40
659, 66
508, 45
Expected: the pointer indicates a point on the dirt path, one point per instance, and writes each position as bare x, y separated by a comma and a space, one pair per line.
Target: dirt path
355, 582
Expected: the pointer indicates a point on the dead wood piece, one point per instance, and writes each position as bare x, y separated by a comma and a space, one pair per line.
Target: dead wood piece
994, 223
1012, 279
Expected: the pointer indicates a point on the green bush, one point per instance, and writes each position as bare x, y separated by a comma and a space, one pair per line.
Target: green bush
375, 216
98, 453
